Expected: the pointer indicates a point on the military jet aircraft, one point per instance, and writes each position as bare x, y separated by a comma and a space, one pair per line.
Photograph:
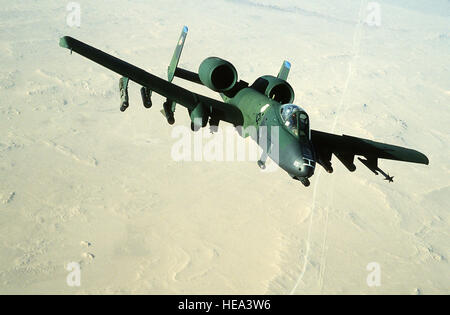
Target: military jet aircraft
267, 103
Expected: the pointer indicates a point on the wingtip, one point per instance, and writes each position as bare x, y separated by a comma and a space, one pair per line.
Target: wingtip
63, 42
185, 29
423, 159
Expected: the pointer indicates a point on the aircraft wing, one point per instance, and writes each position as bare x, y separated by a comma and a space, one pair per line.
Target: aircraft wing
184, 97
346, 147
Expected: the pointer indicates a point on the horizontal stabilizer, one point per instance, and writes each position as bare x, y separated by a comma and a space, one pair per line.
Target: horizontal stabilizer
284, 71
176, 55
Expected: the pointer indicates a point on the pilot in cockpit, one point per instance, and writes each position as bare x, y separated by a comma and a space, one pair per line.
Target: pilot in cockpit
295, 119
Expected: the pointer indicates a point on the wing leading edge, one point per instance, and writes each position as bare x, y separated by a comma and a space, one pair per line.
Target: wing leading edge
184, 97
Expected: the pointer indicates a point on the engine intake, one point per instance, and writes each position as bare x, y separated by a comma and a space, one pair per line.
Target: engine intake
217, 74
275, 88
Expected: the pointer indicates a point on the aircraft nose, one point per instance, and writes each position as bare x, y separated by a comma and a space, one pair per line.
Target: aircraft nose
306, 171
304, 167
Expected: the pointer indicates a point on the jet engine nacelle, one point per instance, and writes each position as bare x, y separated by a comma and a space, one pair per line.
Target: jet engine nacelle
217, 74
275, 88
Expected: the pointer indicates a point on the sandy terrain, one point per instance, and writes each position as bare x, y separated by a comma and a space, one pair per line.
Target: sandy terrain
82, 182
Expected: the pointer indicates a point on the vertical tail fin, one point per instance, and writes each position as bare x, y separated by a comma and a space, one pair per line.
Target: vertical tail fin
284, 71
176, 55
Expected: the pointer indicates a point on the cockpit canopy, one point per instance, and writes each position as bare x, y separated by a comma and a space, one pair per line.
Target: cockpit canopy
295, 120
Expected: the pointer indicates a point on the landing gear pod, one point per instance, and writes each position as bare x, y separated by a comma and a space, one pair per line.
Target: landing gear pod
169, 109
123, 87
199, 117
213, 124
324, 159
347, 160
146, 95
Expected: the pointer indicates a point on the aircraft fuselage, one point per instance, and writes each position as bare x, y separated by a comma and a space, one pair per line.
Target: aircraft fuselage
262, 114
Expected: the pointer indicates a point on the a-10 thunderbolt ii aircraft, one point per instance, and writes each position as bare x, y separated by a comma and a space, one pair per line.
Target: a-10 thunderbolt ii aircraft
267, 103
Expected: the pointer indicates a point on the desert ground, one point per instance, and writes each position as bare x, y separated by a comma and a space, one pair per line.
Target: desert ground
82, 182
